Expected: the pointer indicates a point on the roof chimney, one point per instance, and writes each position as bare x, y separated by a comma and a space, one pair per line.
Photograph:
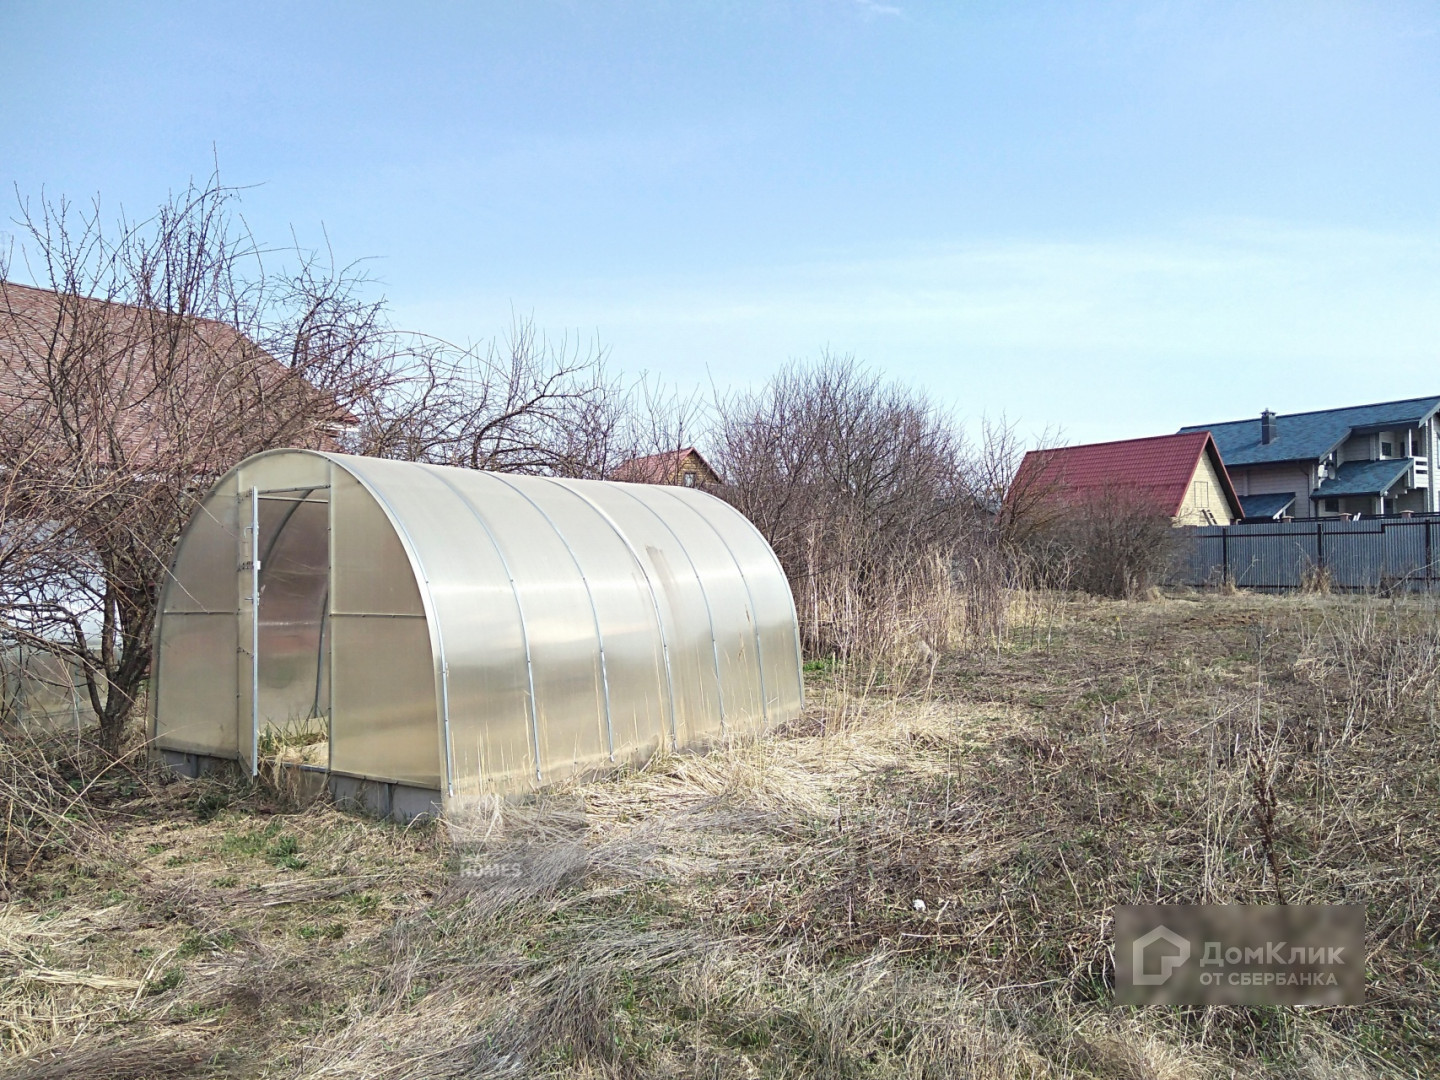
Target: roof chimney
1267, 427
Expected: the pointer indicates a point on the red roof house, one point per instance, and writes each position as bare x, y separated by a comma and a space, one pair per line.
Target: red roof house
685, 467
1181, 476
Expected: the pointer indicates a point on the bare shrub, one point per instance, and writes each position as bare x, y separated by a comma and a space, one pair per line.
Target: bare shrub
1022, 496
522, 404
1374, 664
49, 790
1114, 543
41, 813
655, 420
1315, 580
863, 489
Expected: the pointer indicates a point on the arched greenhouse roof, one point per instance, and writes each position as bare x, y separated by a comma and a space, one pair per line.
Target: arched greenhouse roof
475, 633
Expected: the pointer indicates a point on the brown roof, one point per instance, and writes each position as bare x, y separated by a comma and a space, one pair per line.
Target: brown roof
145, 387
1157, 470
664, 468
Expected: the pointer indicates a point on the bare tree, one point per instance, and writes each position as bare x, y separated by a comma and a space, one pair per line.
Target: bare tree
153, 356
658, 425
1021, 495
855, 482
521, 405
664, 419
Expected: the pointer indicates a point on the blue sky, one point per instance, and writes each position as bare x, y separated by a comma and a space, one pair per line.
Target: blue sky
1111, 218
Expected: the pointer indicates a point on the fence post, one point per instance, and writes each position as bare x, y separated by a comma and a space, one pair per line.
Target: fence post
1224, 553
1319, 545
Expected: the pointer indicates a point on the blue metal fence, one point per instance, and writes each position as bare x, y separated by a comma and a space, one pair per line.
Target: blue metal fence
1367, 554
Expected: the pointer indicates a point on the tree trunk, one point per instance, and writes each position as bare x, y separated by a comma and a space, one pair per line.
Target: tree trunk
123, 690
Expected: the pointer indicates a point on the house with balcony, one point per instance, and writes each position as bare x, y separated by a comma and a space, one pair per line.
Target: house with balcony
1362, 459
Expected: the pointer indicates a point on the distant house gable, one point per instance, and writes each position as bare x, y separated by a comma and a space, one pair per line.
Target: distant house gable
685, 467
1181, 476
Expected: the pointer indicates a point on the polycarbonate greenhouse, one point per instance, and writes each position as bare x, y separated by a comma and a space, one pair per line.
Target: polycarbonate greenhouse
418, 631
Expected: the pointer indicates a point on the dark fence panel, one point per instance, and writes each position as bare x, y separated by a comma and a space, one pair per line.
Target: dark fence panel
1278, 556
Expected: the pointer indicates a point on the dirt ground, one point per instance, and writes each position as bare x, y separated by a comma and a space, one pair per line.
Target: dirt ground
915, 879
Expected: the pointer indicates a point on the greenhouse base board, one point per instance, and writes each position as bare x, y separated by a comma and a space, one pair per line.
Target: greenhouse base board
380, 798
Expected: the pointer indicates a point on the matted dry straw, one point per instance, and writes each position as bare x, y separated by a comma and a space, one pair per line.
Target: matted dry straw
906, 883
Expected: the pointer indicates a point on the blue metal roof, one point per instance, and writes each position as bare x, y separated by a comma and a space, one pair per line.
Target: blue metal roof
1363, 478
1310, 436
1266, 506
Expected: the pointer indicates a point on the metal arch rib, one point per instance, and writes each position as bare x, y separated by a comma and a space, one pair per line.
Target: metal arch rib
749, 598
650, 585
428, 601
594, 609
519, 609
794, 615
254, 530
704, 594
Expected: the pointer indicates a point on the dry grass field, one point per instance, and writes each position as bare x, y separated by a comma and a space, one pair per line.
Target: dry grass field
752, 912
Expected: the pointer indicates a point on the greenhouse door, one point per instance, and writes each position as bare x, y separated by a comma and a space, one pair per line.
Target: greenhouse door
284, 572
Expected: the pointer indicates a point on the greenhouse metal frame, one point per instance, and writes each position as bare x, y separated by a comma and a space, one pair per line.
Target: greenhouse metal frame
425, 635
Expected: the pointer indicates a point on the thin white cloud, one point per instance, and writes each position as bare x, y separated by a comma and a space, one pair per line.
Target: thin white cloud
874, 9
1109, 337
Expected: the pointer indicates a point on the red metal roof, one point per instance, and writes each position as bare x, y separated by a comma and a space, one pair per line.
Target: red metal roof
1156, 469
